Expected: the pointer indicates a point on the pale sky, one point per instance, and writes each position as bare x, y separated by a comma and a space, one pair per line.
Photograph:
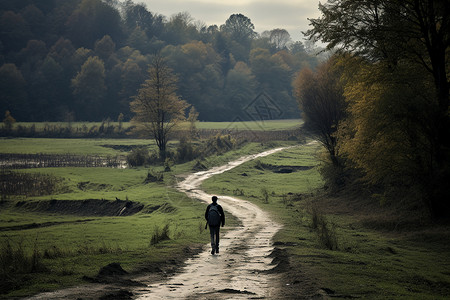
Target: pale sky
265, 14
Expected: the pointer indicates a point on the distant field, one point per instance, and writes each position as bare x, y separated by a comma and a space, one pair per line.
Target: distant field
253, 125
72, 146
247, 125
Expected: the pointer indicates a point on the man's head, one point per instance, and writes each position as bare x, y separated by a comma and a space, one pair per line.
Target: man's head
214, 199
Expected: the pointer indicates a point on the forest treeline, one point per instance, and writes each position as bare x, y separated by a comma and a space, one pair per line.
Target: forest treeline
84, 60
380, 106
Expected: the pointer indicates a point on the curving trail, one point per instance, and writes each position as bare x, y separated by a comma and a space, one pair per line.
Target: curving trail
239, 271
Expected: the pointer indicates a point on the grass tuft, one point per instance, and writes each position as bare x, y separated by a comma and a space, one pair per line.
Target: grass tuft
15, 264
160, 235
265, 195
325, 232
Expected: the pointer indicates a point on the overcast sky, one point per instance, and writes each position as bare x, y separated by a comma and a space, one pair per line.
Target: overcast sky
265, 14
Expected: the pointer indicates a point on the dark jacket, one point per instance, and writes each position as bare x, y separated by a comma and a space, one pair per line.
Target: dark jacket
222, 215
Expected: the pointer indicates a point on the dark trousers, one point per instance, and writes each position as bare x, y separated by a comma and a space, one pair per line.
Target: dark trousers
214, 231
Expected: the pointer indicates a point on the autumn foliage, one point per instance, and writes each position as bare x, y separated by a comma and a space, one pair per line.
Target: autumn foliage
392, 64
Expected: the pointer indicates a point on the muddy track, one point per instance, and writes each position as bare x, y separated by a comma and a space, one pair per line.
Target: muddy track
241, 268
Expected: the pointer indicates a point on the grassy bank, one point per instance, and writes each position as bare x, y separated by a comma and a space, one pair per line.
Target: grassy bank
329, 243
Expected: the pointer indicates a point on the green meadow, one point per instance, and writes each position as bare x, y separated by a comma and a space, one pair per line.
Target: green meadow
345, 257
267, 125
326, 239
253, 125
73, 246
55, 249
103, 147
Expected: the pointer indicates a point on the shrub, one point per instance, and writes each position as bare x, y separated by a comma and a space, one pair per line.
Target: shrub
326, 233
138, 157
199, 166
287, 199
238, 192
167, 165
185, 150
154, 176
15, 264
219, 144
16, 183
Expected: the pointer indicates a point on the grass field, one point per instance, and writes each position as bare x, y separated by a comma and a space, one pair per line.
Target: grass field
73, 146
69, 245
74, 246
245, 125
365, 263
253, 125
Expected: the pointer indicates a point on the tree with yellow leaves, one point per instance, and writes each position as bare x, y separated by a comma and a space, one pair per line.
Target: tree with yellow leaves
388, 133
321, 100
157, 107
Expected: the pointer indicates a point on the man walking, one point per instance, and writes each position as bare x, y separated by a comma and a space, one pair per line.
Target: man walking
215, 217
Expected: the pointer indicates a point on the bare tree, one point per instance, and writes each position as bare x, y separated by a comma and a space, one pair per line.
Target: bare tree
280, 38
157, 107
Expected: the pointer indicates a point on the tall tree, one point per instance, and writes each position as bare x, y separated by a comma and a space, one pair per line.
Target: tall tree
402, 34
240, 90
8, 121
180, 29
416, 30
240, 28
105, 47
197, 65
12, 90
137, 15
157, 107
280, 38
89, 89
35, 19
14, 32
388, 133
274, 76
92, 20
47, 90
138, 39
321, 100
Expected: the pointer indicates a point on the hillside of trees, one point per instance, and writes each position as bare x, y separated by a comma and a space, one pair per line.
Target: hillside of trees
84, 60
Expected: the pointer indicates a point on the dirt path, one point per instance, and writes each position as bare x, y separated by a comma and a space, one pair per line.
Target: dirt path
240, 270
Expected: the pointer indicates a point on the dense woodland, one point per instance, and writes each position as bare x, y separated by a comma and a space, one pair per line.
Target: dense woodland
381, 105
84, 60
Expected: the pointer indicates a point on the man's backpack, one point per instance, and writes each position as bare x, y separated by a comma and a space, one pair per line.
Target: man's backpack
213, 216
